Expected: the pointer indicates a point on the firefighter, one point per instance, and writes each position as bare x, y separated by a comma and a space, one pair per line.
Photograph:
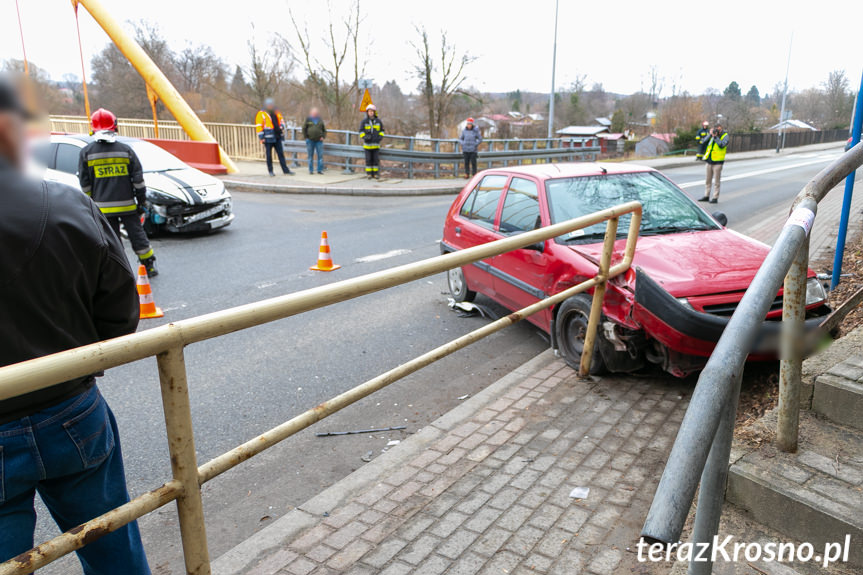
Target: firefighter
702, 137
110, 172
270, 126
372, 132
714, 155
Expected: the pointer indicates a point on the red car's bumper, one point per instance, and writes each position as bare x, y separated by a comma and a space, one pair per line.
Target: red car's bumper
689, 336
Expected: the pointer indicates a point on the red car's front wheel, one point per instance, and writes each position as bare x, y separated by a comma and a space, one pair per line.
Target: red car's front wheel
570, 330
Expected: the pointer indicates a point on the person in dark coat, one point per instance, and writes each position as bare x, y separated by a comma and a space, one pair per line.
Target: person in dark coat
314, 132
470, 139
64, 282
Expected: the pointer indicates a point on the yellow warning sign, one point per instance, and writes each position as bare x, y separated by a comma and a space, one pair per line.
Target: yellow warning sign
367, 101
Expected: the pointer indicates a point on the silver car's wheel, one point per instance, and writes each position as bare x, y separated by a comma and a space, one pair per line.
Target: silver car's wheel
458, 285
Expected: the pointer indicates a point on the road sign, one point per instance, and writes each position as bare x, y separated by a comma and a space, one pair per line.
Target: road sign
366, 102
364, 83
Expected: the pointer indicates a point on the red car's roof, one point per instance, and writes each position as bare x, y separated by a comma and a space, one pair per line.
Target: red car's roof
572, 170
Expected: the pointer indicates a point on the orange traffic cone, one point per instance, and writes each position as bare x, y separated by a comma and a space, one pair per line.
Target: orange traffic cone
325, 260
145, 296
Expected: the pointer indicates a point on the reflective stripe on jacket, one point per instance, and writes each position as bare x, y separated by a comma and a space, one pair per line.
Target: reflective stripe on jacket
264, 125
111, 174
715, 153
372, 132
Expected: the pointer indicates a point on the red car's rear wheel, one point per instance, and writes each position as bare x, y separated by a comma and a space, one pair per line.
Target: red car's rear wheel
458, 285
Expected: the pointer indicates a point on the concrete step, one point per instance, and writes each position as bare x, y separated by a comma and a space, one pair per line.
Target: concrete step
814, 495
839, 393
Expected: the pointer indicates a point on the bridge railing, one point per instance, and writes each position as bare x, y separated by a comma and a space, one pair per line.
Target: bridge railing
167, 344
408, 155
701, 451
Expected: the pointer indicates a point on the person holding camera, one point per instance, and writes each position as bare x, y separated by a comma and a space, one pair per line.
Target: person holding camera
714, 155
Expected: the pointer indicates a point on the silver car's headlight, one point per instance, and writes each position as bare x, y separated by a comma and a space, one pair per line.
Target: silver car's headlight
815, 292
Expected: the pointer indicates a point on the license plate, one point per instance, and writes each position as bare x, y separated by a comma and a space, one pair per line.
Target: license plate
205, 214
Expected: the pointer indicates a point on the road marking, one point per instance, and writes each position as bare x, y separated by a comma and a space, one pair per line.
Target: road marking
821, 160
263, 285
383, 256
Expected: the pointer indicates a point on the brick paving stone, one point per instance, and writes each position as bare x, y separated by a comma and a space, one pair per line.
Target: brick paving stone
375, 494
382, 530
405, 491
538, 563
301, 566
346, 534
382, 554
469, 564
275, 561
545, 516
401, 475
419, 549
505, 498
436, 468
523, 540
385, 505
503, 562
457, 543
515, 517
570, 562
480, 520
349, 555
312, 537
361, 570
448, 523
433, 566
343, 516
416, 526
492, 540
606, 561
525, 479
397, 569
474, 502
320, 553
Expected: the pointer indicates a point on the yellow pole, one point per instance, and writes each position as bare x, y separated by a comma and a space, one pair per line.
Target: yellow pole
153, 98
154, 77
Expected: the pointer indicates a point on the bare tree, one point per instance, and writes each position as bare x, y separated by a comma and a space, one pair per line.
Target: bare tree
334, 78
268, 72
837, 100
657, 83
441, 73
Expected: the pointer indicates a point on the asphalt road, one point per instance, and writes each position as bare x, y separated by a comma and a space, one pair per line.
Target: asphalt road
248, 382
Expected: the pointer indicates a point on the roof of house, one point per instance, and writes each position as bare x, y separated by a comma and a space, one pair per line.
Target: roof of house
613, 136
603, 121
581, 131
793, 124
667, 138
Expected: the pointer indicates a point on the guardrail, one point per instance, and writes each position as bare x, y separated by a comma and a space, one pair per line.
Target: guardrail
343, 149
703, 443
167, 343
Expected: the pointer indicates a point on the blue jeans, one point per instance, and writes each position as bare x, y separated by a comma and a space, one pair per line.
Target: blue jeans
70, 454
315, 147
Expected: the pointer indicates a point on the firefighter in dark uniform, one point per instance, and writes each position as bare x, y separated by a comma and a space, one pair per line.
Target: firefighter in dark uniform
702, 137
111, 174
372, 132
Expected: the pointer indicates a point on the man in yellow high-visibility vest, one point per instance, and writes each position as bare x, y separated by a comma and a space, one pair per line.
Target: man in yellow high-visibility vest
714, 156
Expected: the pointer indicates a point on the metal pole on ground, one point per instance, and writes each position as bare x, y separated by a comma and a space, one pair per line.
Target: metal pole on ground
856, 126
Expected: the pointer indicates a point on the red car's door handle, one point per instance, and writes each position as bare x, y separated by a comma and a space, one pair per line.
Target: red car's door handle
457, 230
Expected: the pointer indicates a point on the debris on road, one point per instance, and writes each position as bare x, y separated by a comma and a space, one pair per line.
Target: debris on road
580, 493
368, 456
468, 309
393, 443
358, 431
463, 397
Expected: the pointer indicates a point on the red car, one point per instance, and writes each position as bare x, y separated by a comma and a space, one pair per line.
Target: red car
669, 309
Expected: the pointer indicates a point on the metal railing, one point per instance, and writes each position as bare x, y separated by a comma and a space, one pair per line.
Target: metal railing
703, 444
408, 155
167, 343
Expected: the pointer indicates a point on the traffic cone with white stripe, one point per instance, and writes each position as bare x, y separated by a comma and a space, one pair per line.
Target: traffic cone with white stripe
325, 259
145, 296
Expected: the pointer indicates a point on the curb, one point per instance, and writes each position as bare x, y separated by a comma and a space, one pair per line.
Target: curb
239, 559
241, 186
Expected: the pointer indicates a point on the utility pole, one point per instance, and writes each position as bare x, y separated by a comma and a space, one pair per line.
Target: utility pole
780, 139
553, 66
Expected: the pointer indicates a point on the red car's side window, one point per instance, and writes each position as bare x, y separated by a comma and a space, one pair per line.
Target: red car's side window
520, 211
481, 204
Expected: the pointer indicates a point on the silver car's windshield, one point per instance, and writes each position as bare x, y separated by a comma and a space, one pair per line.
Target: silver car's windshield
665, 208
155, 159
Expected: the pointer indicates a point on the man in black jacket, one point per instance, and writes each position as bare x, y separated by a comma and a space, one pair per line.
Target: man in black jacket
701, 138
64, 282
110, 172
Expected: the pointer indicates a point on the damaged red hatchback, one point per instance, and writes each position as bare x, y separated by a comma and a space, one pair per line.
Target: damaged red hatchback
669, 309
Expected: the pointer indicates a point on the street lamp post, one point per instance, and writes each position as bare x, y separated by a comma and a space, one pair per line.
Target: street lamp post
553, 66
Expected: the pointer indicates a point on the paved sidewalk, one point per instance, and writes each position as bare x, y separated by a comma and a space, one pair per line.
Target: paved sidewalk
253, 177
486, 488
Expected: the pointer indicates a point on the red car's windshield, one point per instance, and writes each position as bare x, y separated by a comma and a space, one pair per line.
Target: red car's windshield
665, 208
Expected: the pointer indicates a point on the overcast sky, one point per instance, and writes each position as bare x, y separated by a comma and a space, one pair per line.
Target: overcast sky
695, 44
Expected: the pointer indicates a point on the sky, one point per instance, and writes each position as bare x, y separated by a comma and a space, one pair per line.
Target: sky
694, 45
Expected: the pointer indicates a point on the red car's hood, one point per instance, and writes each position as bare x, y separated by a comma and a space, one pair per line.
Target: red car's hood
695, 263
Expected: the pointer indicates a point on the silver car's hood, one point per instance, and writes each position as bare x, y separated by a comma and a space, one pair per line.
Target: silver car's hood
189, 186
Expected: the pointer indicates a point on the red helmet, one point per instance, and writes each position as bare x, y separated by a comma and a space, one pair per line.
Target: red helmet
470, 120
102, 119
